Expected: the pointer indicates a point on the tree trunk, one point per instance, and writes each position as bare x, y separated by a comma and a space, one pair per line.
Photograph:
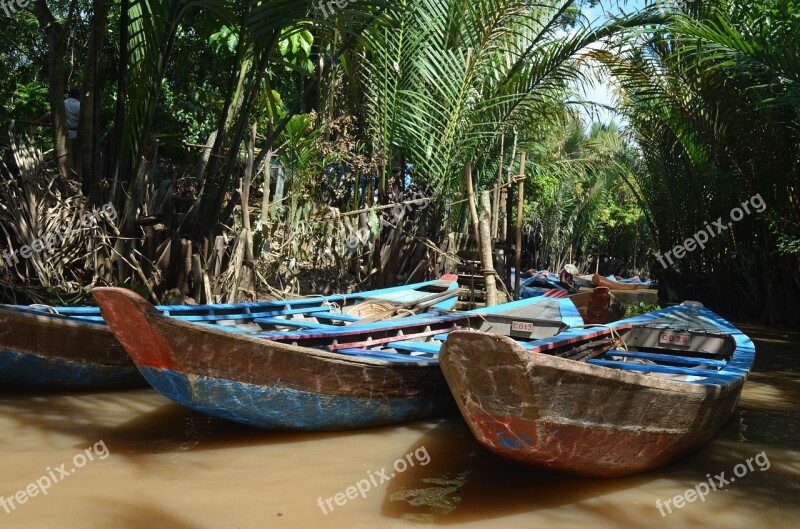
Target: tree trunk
265, 204
473, 211
486, 250
520, 211
500, 191
89, 125
56, 48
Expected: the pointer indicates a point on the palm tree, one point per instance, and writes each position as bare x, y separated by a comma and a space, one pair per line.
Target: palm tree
713, 98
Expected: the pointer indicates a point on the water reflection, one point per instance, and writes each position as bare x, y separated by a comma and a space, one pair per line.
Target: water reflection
171, 468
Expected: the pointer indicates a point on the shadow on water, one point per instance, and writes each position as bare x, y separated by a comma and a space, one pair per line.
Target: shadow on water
136, 516
464, 482
143, 422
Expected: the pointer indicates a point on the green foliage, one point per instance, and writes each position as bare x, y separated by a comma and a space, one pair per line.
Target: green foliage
640, 308
28, 102
225, 39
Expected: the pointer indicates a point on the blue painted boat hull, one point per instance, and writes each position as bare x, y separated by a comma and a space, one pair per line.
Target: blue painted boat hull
25, 370
73, 349
282, 408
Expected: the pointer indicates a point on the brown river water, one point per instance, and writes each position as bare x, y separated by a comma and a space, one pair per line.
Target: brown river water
135, 459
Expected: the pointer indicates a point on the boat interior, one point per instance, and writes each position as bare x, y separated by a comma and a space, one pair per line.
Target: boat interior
657, 350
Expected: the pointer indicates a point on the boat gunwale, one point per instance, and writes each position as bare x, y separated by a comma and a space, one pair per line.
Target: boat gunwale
77, 313
730, 378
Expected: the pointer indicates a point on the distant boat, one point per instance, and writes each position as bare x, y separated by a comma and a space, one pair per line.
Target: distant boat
598, 306
536, 286
71, 348
602, 402
613, 284
354, 377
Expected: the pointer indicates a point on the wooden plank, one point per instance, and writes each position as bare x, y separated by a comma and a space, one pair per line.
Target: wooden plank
419, 347
379, 341
653, 368
656, 357
391, 357
291, 323
335, 316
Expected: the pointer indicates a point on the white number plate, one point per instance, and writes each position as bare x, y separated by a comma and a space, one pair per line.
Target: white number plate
675, 338
521, 326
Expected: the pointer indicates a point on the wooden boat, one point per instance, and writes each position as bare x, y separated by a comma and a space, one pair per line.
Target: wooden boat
537, 286
600, 281
353, 377
598, 306
71, 347
603, 402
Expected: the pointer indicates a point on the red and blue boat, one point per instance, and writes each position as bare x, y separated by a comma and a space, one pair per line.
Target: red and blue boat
70, 348
601, 401
358, 376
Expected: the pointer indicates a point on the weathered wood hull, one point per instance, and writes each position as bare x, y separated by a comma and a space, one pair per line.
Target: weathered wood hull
269, 384
77, 351
48, 352
577, 418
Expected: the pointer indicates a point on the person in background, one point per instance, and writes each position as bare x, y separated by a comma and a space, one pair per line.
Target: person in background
567, 274
72, 111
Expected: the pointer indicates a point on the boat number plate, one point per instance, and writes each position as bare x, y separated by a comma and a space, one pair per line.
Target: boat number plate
675, 338
521, 326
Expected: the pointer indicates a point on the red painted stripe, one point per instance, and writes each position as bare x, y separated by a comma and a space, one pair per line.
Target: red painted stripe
127, 315
583, 337
585, 450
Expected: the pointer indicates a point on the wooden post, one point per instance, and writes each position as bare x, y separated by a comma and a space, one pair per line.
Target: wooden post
520, 212
265, 189
509, 199
485, 247
500, 191
473, 211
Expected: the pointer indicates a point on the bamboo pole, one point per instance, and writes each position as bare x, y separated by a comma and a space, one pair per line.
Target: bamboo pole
473, 211
509, 197
500, 191
520, 204
265, 205
485, 247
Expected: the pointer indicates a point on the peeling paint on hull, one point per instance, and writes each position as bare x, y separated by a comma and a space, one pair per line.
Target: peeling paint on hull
593, 420
283, 408
26, 370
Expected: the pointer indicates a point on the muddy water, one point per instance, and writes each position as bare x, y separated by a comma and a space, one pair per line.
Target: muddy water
154, 464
